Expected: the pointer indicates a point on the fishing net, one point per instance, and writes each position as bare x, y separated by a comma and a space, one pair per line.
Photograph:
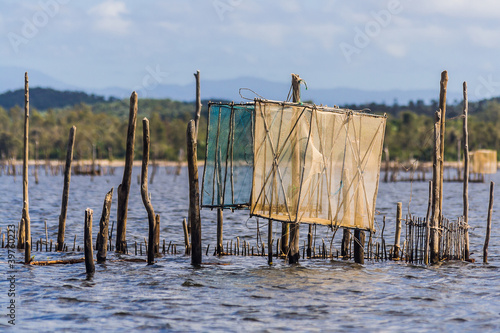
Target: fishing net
227, 176
294, 163
484, 161
316, 165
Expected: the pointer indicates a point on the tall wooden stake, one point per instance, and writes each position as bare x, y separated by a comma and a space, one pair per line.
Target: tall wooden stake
87, 236
488, 225
124, 187
270, 242
293, 252
399, 216
102, 236
436, 181
65, 194
194, 195
26, 213
466, 172
144, 191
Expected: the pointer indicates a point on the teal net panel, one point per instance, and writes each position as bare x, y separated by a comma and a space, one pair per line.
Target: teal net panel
227, 176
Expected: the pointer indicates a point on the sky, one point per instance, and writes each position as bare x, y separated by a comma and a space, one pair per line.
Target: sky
371, 45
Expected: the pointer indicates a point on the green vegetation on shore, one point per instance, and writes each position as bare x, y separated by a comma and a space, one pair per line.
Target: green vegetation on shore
103, 123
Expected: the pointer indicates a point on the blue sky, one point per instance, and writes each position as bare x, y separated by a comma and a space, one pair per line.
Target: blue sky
373, 45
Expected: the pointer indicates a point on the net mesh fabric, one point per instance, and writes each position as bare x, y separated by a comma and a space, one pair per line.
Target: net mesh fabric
227, 176
484, 161
316, 165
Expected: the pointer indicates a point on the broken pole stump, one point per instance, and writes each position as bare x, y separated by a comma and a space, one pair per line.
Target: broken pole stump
488, 225
157, 236
65, 194
124, 187
87, 236
186, 236
194, 195
102, 236
346, 241
270, 242
144, 191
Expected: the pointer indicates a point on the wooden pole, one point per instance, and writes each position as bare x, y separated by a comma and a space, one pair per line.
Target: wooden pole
436, 181
386, 175
488, 225
26, 214
186, 236
293, 253
219, 231
309, 241
194, 195
157, 235
466, 172
36, 162
65, 194
399, 215
198, 103
124, 187
359, 246
442, 107
428, 225
144, 190
87, 235
102, 236
270, 242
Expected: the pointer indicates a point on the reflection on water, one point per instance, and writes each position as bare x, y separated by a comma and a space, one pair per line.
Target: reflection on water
246, 294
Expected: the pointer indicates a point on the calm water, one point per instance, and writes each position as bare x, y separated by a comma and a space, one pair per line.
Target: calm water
245, 294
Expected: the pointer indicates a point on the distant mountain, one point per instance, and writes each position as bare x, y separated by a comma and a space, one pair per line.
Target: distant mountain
13, 78
46, 98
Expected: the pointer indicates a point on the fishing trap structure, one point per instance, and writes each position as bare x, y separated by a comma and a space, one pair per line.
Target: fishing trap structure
483, 161
294, 162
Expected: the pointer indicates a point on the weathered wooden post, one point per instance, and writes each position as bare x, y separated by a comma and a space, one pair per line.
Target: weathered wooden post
436, 181
309, 241
466, 172
157, 235
124, 187
359, 246
102, 236
194, 195
488, 225
399, 216
386, 175
65, 194
87, 236
428, 224
26, 213
198, 103
293, 251
144, 191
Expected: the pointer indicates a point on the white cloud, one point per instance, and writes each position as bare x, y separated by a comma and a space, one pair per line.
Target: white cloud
483, 37
108, 17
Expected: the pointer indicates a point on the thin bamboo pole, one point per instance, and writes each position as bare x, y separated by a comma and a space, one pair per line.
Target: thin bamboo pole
194, 195
198, 103
26, 215
466, 172
293, 253
399, 214
144, 190
270, 242
219, 231
65, 194
442, 107
488, 224
436, 180
124, 187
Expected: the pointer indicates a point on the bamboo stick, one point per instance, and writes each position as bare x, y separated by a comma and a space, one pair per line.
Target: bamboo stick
466, 172
194, 195
442, 107
157, 236
124, 187
270, 242
87, 235
220, 222
293, 253
102, 236
488, 224
26, 215
65, 194
399, 213
144, 191
198, 104
186, 236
